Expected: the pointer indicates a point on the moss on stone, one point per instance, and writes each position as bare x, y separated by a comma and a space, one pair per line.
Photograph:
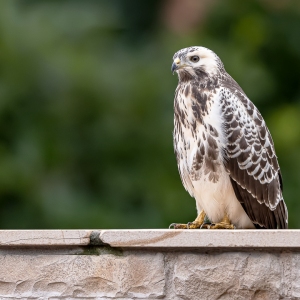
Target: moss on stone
100, 250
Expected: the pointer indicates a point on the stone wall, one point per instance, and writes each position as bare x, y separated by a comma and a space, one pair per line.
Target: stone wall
150, 264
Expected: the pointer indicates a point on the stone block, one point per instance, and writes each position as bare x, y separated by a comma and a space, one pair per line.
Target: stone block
235, 275
131, 275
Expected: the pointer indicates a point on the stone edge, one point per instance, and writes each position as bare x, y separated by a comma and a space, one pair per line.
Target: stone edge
27, 238
204, 239
154, 238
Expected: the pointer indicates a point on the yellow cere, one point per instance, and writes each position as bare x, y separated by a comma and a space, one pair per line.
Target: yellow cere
177, 60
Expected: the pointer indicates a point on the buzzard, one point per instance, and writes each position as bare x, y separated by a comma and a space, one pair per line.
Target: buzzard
224, 150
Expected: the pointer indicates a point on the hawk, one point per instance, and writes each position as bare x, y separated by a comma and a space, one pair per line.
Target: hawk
224, 150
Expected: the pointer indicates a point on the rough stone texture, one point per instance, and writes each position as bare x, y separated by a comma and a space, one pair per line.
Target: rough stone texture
235, 276
131, 276
62, 269
192, 238
44, 237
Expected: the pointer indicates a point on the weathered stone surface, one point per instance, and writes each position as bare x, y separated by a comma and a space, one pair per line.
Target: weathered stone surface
161, 238
292, 274
150, 264
155, 238
44, 237
233, 275
131, 276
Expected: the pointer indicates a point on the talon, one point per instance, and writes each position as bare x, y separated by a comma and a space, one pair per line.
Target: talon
222, 225
190, 225
193, 225
177, 226
225, 223
172, 226
205, 226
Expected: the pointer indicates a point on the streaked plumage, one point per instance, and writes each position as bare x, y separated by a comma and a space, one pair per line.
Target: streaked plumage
224, 150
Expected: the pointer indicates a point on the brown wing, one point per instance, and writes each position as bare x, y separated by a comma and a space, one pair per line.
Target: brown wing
251, 162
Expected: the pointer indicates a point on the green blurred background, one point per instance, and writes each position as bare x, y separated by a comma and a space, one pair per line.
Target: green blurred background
86, 109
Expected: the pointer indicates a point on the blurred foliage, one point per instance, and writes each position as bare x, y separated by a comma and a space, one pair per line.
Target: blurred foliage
86, 110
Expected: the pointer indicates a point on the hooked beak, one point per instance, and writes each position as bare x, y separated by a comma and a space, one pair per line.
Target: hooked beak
175, 65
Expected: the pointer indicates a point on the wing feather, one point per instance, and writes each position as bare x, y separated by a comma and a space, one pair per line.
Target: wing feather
250, 159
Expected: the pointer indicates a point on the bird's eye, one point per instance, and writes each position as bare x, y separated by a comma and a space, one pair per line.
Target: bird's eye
194, 58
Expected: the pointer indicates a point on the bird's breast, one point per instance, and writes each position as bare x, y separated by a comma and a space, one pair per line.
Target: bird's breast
198, 135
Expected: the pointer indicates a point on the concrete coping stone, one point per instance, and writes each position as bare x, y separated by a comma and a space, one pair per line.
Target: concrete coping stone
154, 238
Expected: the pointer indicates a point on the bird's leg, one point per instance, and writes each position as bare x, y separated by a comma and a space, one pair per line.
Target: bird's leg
199, 221
191, 225
224, 224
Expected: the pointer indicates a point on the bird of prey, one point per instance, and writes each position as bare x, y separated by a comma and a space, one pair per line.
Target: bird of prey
224, 150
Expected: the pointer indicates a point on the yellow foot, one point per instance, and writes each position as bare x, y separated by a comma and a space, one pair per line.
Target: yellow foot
205, 226
178, 226
221, 225
189, 225
224, 224
198, 223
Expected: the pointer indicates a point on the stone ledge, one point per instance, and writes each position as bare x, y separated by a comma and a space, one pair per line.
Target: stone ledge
212, 239
44, 237
150, 264
155, 238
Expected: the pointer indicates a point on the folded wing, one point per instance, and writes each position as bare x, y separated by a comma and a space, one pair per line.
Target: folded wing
250, 159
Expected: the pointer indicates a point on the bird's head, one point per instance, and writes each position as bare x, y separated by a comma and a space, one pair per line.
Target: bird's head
191, 62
